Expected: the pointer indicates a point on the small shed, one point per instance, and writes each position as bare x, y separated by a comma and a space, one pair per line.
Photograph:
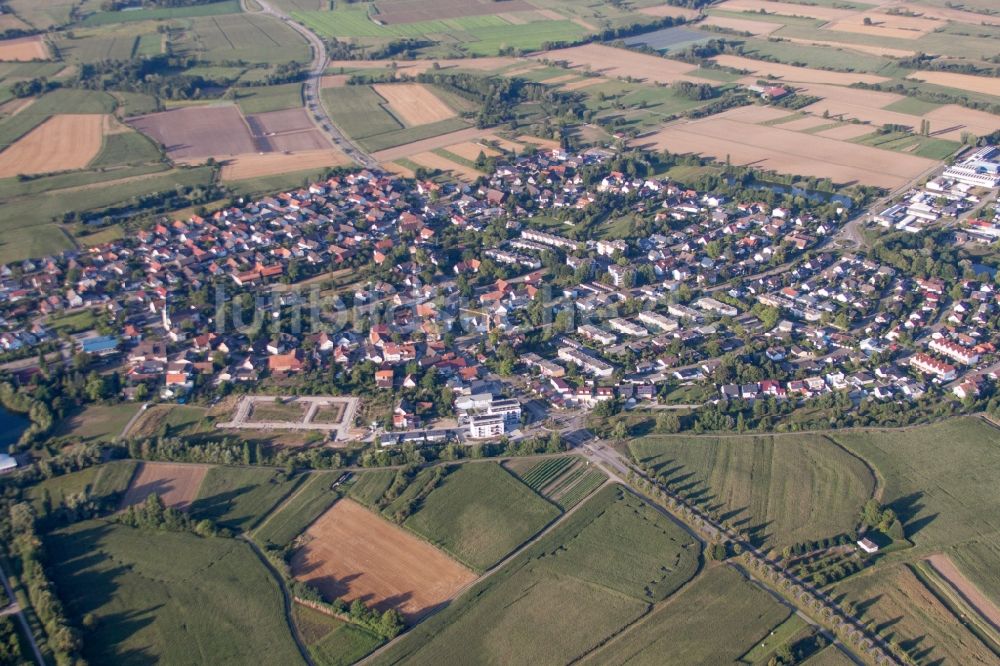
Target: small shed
868, 545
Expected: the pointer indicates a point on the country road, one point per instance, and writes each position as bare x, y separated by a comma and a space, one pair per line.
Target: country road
314, 103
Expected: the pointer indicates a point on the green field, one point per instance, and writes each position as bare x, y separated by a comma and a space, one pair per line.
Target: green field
359, 111
330, 641
97, 423
714, 620
239, 497
242, 37
369, 487
97, 482
208, 9
127, 148
169, 597
594, 574
269, 98
302, 508
479, 514
940, 480
781, 490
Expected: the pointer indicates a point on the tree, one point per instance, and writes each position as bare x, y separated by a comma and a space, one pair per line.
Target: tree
620, 430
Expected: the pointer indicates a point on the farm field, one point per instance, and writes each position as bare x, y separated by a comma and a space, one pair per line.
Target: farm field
61, 143
243, 167
176, 484
195, 133
714, 620
564, 481
246, 37
239, 497
783, 490
895, 599
263, 99
479, 514
351, 553
403, 11
620, 63
435, 161
101, 481
138, 585
23, 49
97, 423
980, 84
769, 147
430, 144
369, 487
609, 561
332, 642
304, 506
795, 74
945, 496
414, 103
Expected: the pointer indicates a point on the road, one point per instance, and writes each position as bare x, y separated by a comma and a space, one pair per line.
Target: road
314, 77
15, 609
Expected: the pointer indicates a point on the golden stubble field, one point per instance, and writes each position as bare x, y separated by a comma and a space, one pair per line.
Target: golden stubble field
414, 103
61, 143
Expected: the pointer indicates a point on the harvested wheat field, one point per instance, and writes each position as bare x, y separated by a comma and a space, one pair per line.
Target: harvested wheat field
838, 110
755, 113
803, 124
433, 143
951, 121
435, 161
972, 594
785, 151
886, 25
243, 167
61, 143
398, 169
846, 132
351, 553
176, 484
795, 74
470, 150
786, 9
613, 62
951, 14
333, 81
861, 48
668, 10
583, 83
23, 49
871, 98
414, 103
987, 85
755, 28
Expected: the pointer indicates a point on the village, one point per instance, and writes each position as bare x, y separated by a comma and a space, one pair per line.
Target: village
483, 293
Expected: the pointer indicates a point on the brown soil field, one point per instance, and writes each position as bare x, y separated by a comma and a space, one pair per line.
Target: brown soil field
861, 48
470, 150
198, 132
755, 28
23, 49
614, 62
667, 10
243, 167
583, 83
802, 124
788, 152
407, 11
971, 593
176, 484
352, 553
795, 74
433, 143
414, 103
61, 143
435, 161
786, 9
290, 120
949, 121
987, 85
846, 132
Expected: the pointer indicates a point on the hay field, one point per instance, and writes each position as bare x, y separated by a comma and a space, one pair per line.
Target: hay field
414, 67
803, 124
613, 62
786, 9
176, 484
470, 150
794, 74
352, 553
982, 84
435, 161
886, 25
756, 28
433, 143
951, 120
61, 143
846, 132
755, 113
244, 167
23, 49
786, 151
583, 83
276, 122
414, 103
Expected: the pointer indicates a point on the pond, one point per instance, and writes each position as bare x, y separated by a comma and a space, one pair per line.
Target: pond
11, 427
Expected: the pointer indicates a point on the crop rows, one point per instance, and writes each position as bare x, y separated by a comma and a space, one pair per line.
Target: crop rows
541, 474
565, 481
581, 490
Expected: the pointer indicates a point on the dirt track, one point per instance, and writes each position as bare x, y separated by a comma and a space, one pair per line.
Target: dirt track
972, 594
353, 554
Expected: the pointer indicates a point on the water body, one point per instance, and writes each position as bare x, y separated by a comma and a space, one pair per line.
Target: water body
11, 427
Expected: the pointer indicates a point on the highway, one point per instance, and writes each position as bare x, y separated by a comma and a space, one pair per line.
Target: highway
314, 78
